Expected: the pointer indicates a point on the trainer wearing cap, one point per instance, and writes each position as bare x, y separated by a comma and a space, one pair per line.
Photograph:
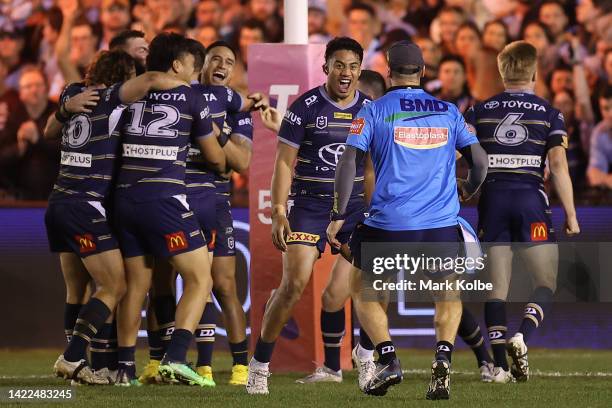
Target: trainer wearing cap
411, 137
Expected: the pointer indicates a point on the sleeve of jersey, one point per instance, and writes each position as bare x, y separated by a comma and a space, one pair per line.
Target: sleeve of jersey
293, 126
202, 125
362, 129
466, 133
234, 101
557, 135
110, 95
242, 125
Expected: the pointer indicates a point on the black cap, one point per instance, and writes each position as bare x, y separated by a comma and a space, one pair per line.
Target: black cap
403, 56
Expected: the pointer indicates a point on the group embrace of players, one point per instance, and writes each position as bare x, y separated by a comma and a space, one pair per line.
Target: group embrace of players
143, 194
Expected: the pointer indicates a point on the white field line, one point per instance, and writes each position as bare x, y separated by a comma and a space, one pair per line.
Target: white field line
536, 373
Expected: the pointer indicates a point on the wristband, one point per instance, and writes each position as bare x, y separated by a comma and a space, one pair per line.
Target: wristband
60, 116
334, 216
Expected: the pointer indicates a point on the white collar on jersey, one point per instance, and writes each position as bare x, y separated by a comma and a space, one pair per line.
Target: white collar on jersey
525, 91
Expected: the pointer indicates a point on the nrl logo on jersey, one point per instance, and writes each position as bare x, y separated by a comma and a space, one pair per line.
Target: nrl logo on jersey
321, 122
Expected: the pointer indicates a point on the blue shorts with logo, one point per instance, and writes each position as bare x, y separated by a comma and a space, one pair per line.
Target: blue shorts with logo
205, 207
513, 212
163, 228
309, 218
436, 242
224, 240
80, 227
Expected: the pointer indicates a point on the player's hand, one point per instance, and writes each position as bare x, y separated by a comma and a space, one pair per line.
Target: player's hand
332, 230
260, 100
69, 8
571, 226
280, 231
83, 102
271, 118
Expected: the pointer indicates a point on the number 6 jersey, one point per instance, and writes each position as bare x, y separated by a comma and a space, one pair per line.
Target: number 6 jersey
156, 132
517, 129
90, 145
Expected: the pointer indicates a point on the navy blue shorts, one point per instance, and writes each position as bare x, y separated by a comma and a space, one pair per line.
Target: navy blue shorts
80, 227
163, 228
450, 237
204, 207
309, 218
224, 244
509, 213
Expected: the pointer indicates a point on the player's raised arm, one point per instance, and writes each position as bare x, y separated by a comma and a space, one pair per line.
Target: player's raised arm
281, 184
137, 88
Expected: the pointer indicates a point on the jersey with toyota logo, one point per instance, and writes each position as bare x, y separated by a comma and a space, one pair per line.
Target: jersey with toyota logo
156, 135
318, 127
90, 143
517, 129
222, 101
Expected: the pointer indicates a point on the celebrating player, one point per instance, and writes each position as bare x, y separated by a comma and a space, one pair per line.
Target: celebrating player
519, 131
415, 199
318, 121
76, 220
337, 291
151, 186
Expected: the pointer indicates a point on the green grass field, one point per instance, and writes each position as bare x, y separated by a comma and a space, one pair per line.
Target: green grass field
561, 378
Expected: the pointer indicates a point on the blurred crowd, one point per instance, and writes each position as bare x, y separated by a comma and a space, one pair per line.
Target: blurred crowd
45, 44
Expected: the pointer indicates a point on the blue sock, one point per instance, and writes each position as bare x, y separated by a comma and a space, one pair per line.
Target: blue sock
495, 318
535, 311
71, 313
179, 344
165, 308
100, 347
156, 351
332, 329
240, 352
90, 320
469, 331
205, 335
386, 352
444, 351
127, 361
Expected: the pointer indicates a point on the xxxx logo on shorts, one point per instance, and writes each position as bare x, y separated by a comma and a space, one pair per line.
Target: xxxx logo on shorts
539, 231
86, 243
176, 241
303, 237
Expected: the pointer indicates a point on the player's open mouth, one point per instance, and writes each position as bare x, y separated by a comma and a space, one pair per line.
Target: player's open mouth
344, 85
219, 75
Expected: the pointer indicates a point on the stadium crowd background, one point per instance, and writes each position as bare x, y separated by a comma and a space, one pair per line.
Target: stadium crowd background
460, 40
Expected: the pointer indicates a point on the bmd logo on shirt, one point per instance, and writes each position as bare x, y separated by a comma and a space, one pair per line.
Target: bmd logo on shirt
420, 137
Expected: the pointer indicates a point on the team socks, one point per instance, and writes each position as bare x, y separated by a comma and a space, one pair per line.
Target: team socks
205, 335
156, 351
240, 352
71, 313
103, 348
127, 362
495, 318
90, 320
386, 352
535, 311
165, 308
332, 330
179, 344
444, 351
263, 351
469, 331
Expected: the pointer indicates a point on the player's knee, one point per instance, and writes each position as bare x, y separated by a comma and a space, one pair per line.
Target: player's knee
223, 287
291, 291
331, 302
